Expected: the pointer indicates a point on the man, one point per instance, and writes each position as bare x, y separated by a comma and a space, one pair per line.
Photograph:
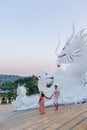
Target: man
56, 96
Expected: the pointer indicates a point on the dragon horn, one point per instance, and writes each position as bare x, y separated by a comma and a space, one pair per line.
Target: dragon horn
57, 47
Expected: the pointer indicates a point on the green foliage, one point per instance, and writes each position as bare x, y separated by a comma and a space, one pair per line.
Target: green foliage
49, 85
31, 84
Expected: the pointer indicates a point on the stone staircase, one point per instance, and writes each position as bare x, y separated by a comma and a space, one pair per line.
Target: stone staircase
70, 117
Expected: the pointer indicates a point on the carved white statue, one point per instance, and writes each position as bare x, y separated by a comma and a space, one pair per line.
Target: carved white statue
72, 82
24, 102
75, 54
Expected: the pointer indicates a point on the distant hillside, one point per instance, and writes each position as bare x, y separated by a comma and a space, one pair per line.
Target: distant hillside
10, 82
9, 77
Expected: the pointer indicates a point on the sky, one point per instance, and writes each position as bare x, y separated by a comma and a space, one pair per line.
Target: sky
29, 31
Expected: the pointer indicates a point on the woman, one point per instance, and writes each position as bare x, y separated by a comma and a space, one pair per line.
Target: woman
41, 103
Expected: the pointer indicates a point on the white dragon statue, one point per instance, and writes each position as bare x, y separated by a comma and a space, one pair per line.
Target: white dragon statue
74, 81
24, 102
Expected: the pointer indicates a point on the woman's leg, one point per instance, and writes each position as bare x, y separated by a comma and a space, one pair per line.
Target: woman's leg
57, 106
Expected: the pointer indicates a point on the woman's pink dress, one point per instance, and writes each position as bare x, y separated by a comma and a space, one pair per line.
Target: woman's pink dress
41, 105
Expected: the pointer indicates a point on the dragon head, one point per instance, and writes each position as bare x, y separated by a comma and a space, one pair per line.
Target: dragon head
73, 47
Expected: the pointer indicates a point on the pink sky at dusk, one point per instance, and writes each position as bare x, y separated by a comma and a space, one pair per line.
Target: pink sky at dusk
29, 33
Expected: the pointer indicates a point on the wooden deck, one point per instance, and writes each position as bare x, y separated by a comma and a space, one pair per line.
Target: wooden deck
70, 117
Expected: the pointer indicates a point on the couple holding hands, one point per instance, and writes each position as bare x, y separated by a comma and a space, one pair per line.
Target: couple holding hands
55, 96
